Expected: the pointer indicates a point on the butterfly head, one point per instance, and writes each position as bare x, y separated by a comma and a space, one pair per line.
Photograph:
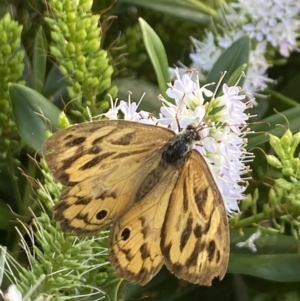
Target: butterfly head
193, 131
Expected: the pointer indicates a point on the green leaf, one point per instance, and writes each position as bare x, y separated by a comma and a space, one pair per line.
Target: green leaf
55, 88
39, 60
34, 114
276, 125
191, 11
6, 216
233, 60
276, 97
276, 259
235, 77
157, 54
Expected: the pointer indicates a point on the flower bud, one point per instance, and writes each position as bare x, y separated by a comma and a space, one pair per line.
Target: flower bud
282, 183
286, 139
273, 161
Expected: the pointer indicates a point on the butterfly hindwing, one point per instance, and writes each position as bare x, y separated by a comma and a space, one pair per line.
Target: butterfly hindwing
135, 238
195, 237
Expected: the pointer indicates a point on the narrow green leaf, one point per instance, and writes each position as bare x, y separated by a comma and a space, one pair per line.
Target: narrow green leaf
39, 60
276, 125
55, 88
157, 54
234, 58
181, 9
6, 216
276, 259
279, 97
236, 77
34, 114
283, 268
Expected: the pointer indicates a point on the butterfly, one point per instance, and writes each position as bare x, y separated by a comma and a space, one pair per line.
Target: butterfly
156, 190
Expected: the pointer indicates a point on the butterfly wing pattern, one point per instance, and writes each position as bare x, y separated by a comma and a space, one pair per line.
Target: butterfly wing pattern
156, 190
195, 235
101, 164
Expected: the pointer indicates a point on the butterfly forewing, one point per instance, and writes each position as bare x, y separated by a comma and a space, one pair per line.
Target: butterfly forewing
103, 164
82, 150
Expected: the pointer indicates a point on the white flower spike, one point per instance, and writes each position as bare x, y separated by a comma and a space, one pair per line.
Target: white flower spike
222, 121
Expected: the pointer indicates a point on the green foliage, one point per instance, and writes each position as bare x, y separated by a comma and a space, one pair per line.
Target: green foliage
60, 63
44, 263
68, 263
11, 68
85, 67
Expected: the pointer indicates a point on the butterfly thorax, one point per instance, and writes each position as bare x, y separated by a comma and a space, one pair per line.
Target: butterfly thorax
176, 149
181, 145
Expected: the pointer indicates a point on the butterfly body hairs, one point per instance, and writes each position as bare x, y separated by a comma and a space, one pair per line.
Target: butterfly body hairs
156, 190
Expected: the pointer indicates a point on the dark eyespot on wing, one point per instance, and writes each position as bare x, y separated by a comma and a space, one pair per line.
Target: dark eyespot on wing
101, 214
125, 234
